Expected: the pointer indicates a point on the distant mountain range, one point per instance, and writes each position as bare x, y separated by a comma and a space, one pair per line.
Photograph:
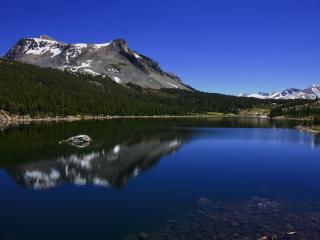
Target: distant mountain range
113, 59
311, 92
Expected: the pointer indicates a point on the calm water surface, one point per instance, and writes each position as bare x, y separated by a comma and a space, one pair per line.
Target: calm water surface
137, 175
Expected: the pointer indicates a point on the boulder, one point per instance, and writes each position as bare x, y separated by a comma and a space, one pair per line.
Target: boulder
4, 117
78, 141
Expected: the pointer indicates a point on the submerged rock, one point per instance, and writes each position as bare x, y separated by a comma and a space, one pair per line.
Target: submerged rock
80, 141
143, 235
253, 219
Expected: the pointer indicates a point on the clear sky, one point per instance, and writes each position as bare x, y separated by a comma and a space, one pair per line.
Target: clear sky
226, 46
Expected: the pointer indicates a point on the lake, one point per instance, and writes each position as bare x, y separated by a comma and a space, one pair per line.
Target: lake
231, 178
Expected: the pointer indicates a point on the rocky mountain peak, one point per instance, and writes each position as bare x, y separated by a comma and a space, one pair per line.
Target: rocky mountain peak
46, 37
115, 60
120, 43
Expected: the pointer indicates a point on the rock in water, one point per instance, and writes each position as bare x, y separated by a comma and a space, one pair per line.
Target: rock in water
4, 117
78, 141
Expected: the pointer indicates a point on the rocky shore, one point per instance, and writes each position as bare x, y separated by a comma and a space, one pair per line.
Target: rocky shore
7, 119
311, 129
255, 219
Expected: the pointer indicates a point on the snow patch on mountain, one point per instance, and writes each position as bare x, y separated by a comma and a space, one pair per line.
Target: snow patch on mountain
41, 46
117, 80
137, 56
101, 45
89, 71
173, 85
80, 45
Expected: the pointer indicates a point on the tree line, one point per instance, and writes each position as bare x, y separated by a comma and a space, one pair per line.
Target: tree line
299, 109
28, 89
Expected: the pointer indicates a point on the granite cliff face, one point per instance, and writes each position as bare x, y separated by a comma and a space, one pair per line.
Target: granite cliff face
114, 59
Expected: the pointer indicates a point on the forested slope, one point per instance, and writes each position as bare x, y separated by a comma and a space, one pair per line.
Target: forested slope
298, 109
27, 89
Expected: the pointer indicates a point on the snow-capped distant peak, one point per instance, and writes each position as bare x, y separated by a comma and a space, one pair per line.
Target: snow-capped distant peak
291, 93
260, 95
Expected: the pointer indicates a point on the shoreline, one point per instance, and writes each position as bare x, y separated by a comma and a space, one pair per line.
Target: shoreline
310, 129
15, 119
292, 118
7, 119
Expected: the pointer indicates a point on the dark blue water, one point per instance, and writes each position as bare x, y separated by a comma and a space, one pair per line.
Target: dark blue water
136, 174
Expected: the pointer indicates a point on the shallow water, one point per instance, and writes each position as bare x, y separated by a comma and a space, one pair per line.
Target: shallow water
139, 175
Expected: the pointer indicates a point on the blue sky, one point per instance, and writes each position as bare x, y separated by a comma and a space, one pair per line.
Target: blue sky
226, 46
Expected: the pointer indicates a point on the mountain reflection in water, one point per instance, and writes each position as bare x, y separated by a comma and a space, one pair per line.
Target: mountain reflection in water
110, 161
105, 167
120, 149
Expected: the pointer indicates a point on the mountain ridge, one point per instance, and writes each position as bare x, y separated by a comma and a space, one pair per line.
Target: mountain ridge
113, 59
311, 93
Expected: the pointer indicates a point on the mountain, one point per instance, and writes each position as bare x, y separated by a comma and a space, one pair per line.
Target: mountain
311, 92
114, 59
